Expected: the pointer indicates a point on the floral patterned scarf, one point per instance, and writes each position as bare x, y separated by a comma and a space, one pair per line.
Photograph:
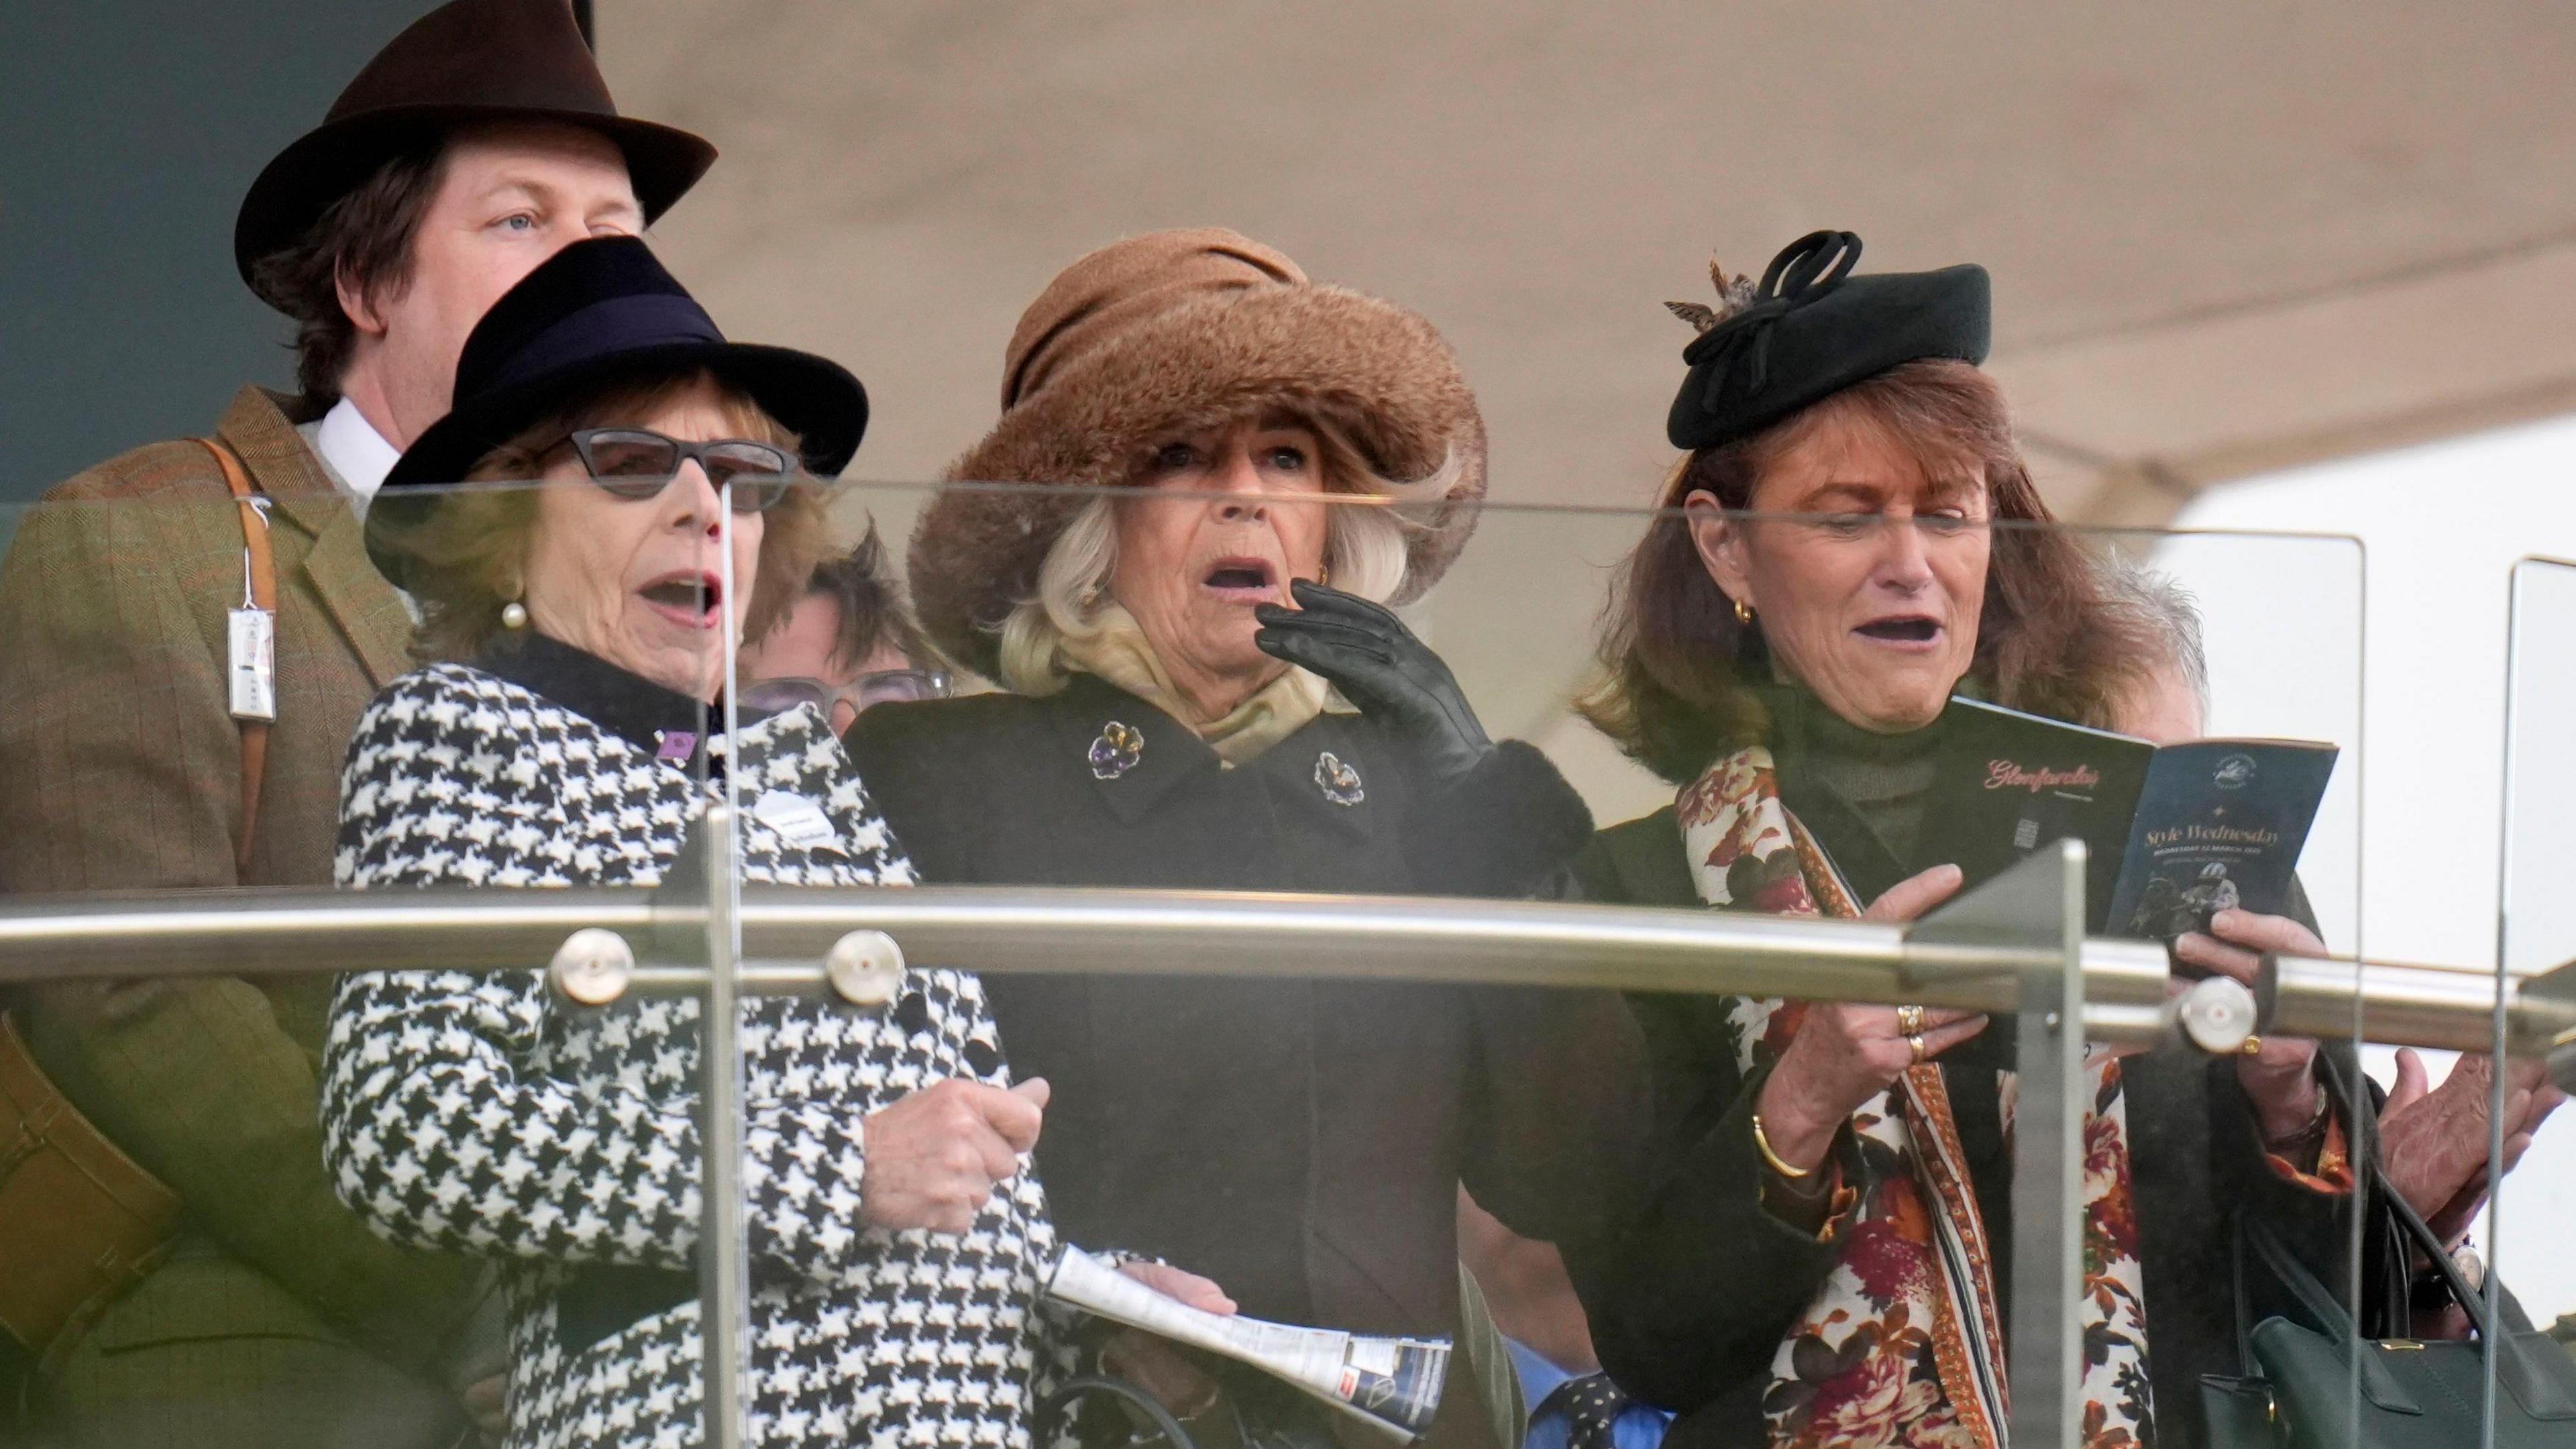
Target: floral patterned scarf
1903, 1343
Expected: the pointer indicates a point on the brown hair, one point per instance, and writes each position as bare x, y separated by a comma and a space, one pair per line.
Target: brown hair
871, 613
2050, 639
363, 239
467, 556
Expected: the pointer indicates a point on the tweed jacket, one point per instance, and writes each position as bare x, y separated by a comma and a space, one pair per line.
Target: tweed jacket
120, 769
473, 1112
1299, 1141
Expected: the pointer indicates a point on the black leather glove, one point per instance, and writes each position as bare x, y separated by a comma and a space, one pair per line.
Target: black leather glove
1379, 666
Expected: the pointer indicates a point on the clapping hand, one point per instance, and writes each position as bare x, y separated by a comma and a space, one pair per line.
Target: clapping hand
2433, 1140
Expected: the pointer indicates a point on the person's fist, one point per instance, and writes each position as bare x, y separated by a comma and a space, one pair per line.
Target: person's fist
934, 1156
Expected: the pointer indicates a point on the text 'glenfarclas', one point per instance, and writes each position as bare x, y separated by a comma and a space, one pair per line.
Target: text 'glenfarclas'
2007, 775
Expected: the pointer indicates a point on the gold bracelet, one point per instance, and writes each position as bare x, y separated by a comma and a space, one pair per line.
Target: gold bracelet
1762, 1144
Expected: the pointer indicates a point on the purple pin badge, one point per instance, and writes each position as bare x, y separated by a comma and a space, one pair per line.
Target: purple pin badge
676, 744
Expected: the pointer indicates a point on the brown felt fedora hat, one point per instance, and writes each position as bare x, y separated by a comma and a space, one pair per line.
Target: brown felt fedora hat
1168, 334
466, 61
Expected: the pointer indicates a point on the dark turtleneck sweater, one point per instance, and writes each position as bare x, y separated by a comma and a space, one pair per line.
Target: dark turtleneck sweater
1863, 794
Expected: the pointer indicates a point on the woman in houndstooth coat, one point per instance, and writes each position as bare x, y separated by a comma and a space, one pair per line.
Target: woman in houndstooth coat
896, 1234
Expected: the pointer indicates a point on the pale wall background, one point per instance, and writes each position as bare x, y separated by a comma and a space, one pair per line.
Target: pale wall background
2227, 235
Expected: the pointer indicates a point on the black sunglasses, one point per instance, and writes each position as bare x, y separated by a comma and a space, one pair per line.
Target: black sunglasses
638, 463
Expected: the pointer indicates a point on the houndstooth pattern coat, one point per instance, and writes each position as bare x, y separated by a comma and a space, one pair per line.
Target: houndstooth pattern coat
474, 1113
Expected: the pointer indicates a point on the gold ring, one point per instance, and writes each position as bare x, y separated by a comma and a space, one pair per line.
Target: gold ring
1921, 1053
2253, 1046
1909, 1021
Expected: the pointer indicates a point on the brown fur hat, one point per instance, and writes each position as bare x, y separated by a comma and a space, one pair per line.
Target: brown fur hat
1169, 334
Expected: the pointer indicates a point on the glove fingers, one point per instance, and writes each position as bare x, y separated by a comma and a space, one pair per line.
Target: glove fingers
1323, 599
1340, 662
1333, 631
1364, 677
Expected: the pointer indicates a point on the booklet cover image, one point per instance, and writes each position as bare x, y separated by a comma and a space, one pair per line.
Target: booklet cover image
2219, 826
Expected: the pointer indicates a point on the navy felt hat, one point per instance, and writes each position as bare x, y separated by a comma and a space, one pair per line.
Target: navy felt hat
1812, 329
601, 312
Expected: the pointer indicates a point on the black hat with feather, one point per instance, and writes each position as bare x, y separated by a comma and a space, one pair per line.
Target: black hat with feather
1811, 329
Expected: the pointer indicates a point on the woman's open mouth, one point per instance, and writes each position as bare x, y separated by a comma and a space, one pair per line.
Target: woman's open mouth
1903, 631
1242, 580
693, 600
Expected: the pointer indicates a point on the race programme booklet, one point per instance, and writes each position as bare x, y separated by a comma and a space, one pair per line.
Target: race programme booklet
2174, 834
1390, 1384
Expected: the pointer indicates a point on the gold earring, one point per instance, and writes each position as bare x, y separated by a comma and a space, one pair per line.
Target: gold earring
1743, 613
1324, 575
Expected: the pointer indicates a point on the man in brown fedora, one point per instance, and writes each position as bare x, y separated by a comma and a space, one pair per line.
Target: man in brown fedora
195, 1281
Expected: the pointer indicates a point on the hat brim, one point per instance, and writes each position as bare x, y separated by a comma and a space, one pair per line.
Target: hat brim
813, 397
330, 161
1378, 372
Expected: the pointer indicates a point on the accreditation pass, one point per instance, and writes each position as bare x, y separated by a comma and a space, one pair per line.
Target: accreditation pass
253, 634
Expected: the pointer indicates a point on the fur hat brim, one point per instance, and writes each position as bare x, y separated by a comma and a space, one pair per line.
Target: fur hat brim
1378, 372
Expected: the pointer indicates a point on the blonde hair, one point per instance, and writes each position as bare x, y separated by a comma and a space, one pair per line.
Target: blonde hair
467, 557
1366, 543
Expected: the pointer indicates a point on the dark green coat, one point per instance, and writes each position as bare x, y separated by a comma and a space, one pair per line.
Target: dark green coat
1699, 1284
1299, 1141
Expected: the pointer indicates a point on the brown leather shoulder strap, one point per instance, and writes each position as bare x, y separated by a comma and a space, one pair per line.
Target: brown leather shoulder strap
263, 592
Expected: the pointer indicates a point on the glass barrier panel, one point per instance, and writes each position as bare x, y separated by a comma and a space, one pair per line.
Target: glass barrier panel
1311, 1115
2529, 1211
278, 1193
1517, 622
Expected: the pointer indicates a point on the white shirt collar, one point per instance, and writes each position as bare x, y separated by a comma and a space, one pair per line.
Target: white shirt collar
355, 455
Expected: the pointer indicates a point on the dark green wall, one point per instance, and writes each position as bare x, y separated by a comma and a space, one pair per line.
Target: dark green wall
128, 132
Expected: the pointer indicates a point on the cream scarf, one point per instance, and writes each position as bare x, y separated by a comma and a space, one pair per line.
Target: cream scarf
1119, 653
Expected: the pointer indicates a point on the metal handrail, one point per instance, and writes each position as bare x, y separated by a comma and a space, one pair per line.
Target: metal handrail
2014, 945
787, 931
2003, 948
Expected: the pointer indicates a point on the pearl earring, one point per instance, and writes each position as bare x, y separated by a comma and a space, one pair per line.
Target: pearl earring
514, 615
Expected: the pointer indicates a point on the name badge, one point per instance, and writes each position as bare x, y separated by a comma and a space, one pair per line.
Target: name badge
798, 821
253, 672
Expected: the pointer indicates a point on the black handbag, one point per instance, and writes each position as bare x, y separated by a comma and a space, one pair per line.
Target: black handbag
2296, 1388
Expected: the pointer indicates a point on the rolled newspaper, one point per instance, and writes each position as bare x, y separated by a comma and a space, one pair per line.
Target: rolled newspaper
1391, 1384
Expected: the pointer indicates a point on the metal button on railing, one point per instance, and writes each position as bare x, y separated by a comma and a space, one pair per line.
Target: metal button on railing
2218, 1013
592, 966
865, 968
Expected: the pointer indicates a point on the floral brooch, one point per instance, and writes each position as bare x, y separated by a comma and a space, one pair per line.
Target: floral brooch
1116, 751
